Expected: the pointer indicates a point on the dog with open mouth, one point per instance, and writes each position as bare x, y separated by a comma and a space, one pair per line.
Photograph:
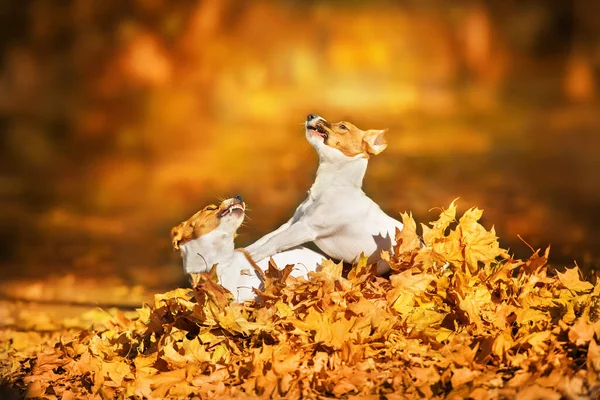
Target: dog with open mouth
337, 215
207, 238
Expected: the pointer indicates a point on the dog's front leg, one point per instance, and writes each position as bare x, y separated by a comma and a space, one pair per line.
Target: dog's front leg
260, 242
294, 235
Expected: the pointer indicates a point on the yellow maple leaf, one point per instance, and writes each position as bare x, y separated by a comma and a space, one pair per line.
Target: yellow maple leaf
283, 309
176, 294
582, 331
160, 384
571, 280
480, 245
173, 356
460, 376
116, 371
360, 269
407, 238
330, 269
220, 353
502, 343
438, 228
537, 340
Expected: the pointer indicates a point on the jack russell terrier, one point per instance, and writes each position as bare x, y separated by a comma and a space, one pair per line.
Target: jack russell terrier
337, 215
207, 238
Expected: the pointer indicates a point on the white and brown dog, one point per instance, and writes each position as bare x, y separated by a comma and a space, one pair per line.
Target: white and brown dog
207, 238
337, 215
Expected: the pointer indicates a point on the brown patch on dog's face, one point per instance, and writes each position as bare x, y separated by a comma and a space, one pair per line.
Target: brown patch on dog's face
348, 138
204, 221
201, 223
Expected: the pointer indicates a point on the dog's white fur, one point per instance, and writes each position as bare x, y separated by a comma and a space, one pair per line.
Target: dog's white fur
234, 271
337, 215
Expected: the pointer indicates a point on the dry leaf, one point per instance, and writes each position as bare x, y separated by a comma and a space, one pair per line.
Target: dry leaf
458, 318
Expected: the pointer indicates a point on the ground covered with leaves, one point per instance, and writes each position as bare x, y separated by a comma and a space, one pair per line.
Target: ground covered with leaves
457, 318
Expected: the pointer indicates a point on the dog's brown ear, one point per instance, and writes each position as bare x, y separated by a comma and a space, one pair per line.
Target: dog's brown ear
375, 141
176, 236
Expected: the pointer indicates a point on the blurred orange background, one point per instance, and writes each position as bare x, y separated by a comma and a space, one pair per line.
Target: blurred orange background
121, 119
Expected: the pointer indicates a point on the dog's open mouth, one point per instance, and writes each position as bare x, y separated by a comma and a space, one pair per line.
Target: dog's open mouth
234, 208
319, 128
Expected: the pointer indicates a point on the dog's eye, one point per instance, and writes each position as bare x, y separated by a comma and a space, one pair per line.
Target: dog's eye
211, 208
342, 126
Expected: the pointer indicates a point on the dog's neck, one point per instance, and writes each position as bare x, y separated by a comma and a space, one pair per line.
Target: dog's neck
347, 173
201, 254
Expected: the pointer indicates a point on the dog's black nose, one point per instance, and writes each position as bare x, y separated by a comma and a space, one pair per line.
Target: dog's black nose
310, 117
238, 197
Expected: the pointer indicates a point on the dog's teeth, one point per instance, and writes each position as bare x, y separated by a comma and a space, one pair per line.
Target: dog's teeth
233, 207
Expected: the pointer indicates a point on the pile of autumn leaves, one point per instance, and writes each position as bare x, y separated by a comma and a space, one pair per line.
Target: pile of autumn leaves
457, 318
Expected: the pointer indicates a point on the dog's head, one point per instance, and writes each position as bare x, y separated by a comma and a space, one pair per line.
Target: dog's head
343, 137
227, 218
